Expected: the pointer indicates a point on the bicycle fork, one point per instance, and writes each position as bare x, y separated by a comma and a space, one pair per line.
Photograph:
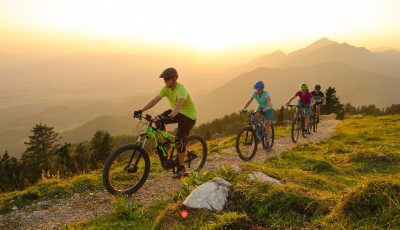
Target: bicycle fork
135, 156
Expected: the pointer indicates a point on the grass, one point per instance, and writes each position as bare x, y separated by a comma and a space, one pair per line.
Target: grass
47, 189
348, 181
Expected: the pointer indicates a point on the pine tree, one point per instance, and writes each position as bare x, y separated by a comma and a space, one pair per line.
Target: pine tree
65, 160
281, 116
332, 104
41, 152
81, 158
100, 145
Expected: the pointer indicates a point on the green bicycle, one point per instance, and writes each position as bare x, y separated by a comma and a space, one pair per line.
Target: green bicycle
127, 168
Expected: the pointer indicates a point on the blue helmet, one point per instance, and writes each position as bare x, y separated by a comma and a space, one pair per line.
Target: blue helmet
259, 85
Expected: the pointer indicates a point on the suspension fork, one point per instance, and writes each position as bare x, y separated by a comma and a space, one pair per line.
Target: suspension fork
135, 156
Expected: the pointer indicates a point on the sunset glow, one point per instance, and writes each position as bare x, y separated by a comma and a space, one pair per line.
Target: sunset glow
206, 25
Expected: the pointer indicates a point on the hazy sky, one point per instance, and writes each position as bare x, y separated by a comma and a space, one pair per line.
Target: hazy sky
206, 25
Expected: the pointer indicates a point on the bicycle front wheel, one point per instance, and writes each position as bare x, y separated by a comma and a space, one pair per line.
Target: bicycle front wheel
296, 126
126, 170
196, 153
246, 143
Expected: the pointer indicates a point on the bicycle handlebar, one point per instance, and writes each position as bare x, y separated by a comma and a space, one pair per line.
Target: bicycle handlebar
291, 105
147, 117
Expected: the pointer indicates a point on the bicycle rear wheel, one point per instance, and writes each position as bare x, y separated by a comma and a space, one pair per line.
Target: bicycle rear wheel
315, 126
196, 153
271, 139
246, 143
121, 176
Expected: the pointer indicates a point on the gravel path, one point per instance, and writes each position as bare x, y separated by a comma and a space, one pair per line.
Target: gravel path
55, 213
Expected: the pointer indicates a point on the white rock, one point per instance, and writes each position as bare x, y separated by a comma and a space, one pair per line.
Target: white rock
263, 177
14, 208
91, 194
211, 195
237, 169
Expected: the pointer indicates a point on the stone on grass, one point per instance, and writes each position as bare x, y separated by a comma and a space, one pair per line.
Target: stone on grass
263, 178
211, 195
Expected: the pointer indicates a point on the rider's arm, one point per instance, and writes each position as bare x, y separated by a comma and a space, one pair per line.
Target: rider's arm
268, 104
151, 103
291, 99
312, 101
248, 103
178, 106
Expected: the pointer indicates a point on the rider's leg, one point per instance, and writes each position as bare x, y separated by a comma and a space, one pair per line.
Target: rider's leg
185, 124
307, 116
268, 120
268, 132
307, 121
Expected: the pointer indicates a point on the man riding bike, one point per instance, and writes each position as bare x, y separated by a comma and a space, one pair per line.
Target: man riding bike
183, 112
264, 107
319, 99
306, 100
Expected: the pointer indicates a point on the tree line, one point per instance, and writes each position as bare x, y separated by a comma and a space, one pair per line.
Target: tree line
46, 157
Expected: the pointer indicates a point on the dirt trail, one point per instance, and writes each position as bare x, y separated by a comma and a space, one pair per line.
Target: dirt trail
53, 214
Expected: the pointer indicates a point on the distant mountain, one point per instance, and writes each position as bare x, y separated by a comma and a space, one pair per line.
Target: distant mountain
267, 60
114, 124
354, 85
325, 50
393, 55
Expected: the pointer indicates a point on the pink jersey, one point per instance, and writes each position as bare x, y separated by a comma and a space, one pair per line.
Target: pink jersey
304, 98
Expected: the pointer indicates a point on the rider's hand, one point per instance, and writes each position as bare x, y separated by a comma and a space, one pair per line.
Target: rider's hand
137, 113
287, 103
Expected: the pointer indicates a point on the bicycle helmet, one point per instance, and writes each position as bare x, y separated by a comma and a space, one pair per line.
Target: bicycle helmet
317, 87
304, 86
169, 72
259, 85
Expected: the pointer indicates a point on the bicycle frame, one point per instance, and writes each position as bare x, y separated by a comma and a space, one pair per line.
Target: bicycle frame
255, 122
150, 132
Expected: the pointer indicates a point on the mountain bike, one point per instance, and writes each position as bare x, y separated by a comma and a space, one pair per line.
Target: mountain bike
127, 168
313, 119
298, 124
316, 117
248, 138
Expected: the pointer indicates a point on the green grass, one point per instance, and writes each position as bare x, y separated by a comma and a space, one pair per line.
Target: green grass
47, 189
348, 181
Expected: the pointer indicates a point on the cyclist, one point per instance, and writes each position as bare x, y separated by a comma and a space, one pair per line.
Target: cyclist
183, 112
305, 102
319, 99
264, 107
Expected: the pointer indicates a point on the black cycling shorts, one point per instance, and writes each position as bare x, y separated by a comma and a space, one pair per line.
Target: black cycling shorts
185, 124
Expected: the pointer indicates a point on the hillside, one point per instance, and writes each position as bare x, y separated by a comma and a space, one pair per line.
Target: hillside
349, 180
353, 85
